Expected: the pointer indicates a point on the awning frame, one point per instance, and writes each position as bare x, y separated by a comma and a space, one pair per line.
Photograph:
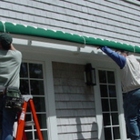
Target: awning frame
81, 41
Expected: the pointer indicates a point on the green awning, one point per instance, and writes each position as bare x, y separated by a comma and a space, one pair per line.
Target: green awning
59, 35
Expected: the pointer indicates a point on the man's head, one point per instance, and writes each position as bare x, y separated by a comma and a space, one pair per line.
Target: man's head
5, 41
122, 52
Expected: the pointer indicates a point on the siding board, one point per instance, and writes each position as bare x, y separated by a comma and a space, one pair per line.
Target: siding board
90, 18
75, 106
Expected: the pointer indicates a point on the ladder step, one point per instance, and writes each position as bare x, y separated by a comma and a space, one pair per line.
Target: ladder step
29, 123
20, 135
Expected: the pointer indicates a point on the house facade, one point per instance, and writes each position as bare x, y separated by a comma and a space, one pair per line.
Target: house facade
57, 39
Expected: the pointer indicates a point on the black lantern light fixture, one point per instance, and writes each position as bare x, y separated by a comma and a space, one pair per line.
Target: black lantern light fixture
90, 77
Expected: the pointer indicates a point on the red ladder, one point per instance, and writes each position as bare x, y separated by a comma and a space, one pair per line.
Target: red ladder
20, 134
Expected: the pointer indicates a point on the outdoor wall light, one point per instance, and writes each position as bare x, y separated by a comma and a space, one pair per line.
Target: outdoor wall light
90, 77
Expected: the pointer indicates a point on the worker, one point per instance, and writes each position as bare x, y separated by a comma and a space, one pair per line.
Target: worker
130, 80
10, 61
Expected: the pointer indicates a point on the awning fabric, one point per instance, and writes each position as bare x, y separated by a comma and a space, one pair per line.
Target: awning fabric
59, 35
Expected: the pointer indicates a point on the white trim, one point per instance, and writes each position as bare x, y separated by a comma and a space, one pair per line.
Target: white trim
49, 92
120, 106
99, 116
30, 123
98, 107
51, 112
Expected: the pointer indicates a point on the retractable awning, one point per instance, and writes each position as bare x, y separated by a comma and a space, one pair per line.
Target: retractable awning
59, 35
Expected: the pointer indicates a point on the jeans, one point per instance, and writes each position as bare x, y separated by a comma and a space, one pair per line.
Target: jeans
132, 113
7, 118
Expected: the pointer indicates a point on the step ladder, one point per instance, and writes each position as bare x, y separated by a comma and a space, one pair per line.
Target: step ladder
20, 133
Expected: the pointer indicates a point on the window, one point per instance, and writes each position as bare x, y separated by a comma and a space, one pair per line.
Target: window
32, 82
109, 105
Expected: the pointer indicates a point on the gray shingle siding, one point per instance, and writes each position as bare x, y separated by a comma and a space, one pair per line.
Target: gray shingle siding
75, 107
108, 19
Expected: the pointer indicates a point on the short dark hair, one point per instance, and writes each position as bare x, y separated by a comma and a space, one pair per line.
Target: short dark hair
5, 41
122, 51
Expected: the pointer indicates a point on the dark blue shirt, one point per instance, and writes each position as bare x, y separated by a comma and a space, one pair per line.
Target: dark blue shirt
119, 59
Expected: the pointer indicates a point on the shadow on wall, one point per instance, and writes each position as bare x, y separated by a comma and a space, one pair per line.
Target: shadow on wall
74, 101
86, 132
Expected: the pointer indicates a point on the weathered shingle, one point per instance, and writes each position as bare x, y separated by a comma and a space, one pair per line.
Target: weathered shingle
75, 106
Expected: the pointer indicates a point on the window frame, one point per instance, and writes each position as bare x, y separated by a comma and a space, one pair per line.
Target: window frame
51, 120
98, 105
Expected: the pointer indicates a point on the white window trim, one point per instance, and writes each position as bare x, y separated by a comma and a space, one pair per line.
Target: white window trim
120, 104
99, 116
44, 96
98, 107
49, 93
50, 105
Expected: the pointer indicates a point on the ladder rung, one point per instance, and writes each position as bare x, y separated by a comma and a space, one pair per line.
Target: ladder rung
22, 123
29, 123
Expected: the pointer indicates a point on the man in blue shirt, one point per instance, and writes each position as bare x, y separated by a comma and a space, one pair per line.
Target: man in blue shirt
130, 80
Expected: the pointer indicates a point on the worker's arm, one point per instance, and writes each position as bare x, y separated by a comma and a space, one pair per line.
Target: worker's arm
12, 47
119, 59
